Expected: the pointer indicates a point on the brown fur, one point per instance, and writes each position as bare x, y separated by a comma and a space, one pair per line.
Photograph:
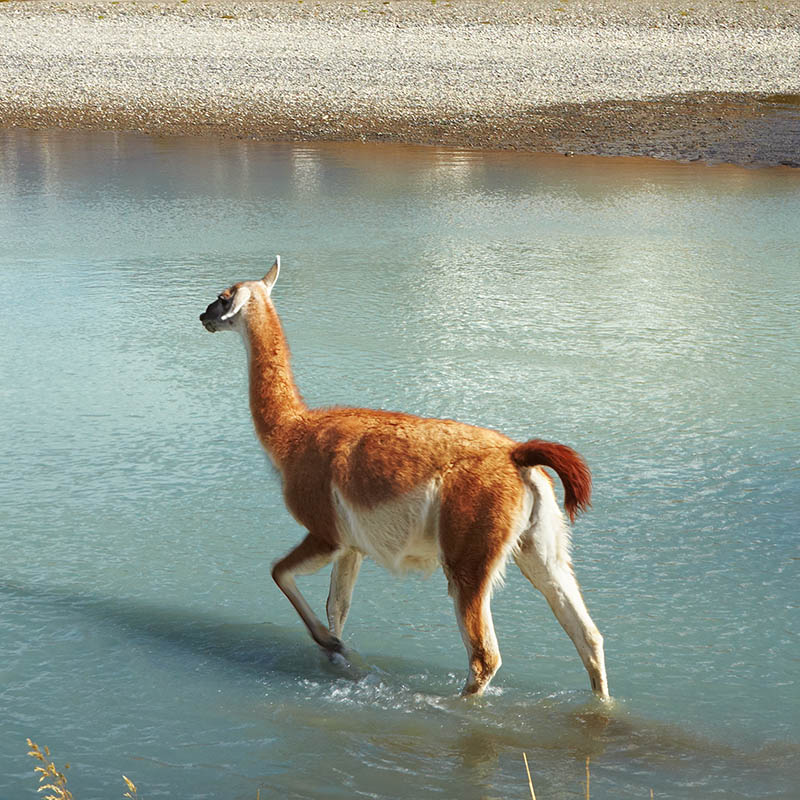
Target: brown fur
569, 466
373, 457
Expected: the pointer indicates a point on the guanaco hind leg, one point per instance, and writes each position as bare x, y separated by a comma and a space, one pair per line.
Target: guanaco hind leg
555, 579
343, 579
478, 524
474, 615
309, 556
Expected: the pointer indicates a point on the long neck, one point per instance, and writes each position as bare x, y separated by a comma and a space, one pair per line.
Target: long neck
275, 402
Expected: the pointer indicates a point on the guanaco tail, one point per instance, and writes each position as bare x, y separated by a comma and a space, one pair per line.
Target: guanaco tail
410, 493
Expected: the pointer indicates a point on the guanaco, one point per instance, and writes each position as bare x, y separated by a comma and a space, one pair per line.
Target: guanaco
410, 493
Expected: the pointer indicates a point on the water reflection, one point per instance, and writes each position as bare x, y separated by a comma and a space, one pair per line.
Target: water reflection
49, 162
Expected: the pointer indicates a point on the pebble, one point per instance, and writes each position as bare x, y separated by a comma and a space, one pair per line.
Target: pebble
400, 63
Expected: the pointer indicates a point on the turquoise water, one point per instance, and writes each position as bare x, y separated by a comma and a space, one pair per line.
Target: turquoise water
644, 313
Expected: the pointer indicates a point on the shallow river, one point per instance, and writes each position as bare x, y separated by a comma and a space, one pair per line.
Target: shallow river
644, 313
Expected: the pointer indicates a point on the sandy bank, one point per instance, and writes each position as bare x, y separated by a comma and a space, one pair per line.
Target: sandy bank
719, 81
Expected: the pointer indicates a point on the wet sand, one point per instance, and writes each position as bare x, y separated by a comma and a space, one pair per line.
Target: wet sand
717, 82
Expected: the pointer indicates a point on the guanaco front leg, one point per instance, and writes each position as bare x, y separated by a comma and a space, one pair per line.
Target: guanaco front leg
309, 556
343, 579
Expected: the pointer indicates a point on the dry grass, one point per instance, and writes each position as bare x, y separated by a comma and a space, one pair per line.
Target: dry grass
588, 779
131, 793
530, 782
56, 782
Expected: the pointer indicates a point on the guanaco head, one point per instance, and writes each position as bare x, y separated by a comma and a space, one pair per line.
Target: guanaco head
230, 307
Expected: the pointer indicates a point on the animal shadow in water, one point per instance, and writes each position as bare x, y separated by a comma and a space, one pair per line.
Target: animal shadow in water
256, 648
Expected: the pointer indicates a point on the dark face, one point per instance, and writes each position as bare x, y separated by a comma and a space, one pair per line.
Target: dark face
218, 314
211, 316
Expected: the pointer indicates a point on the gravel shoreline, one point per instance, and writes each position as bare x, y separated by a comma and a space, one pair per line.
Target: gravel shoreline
717, 81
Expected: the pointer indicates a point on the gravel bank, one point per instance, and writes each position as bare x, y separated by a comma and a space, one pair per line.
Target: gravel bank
719, 81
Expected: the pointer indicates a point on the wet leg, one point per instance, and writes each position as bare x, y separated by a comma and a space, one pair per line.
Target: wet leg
343, 579
474, 615
555, 579
309, 556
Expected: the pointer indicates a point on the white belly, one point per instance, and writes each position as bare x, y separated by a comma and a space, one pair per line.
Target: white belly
401, 534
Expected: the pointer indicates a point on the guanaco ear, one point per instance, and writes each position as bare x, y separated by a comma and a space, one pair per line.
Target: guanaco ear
239, 300
272, 276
